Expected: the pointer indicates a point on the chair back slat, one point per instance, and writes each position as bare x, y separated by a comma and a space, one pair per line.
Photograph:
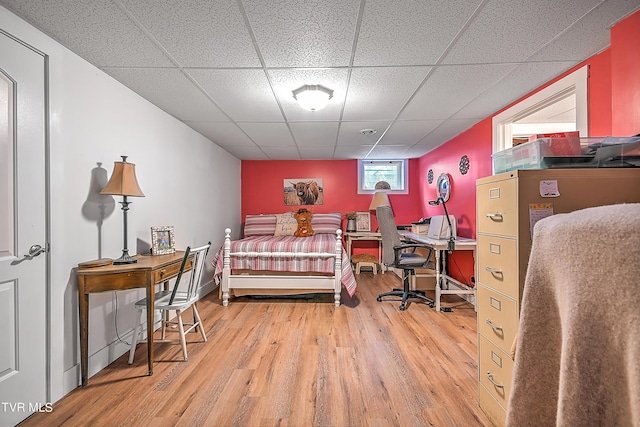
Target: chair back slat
199, 256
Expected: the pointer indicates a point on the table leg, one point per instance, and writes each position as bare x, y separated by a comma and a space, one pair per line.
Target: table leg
84, 330
438, 279
150, 313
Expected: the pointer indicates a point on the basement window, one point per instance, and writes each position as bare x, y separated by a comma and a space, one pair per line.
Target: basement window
395, 172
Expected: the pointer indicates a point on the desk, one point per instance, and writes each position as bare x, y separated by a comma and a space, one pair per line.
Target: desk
351, 236
442, 278
146, 273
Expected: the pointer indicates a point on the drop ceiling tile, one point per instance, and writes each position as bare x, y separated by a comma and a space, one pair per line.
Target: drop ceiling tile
223, 134
387, 151
247, 153
350, 135
408, 132
587, 36
450, 88
178, 96
284, 81
317, 153
352, 152
100, 32
409, 32
380, 93
269, 134
243, 94
447, 130
209, 33
508, 31
315, 134
303, 33
522, 80
282, 153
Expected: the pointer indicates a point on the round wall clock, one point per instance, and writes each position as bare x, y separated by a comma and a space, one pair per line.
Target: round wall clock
444, 186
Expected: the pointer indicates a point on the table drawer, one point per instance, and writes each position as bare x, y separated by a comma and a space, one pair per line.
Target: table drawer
497, 318
498, 263
170, 271
495, 371
497, 209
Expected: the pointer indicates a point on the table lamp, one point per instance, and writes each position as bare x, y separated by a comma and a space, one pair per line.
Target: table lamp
124, 183
380, 197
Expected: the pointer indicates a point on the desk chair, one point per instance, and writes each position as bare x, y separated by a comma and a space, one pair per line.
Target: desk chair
176, 300
395, 254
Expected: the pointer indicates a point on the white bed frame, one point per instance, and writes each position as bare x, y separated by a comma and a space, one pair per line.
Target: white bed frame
281, 280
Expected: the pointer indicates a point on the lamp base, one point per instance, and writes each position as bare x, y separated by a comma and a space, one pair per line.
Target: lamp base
125, 259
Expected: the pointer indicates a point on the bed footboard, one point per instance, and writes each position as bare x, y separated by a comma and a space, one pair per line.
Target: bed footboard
330, 282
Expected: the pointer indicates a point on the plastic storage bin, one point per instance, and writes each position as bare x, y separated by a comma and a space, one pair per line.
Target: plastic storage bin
592, 152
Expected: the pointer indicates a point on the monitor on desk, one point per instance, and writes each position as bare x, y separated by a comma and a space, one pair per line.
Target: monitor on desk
439, 227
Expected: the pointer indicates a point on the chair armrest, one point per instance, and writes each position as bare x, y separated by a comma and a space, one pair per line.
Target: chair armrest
397, 250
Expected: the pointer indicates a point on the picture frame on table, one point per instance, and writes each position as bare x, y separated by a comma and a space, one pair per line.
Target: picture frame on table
162, 240
363, 221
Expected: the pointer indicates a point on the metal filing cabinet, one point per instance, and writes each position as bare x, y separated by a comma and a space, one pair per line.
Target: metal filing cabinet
504, 241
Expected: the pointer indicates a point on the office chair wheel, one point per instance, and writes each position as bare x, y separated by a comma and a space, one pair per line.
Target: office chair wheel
403, 307
379, 299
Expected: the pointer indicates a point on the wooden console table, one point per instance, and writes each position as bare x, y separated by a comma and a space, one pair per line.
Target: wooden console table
146, 273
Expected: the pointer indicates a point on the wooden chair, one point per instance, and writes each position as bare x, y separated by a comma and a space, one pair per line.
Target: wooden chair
178, 300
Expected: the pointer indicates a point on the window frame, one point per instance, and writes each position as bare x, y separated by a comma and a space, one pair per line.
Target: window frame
575, 81
404, 170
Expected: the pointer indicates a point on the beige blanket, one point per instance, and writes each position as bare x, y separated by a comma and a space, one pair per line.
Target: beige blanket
578, 351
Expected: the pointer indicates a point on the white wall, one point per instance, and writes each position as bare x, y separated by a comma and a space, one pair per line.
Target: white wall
188, 181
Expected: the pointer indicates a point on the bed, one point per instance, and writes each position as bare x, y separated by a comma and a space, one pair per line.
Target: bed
269, 260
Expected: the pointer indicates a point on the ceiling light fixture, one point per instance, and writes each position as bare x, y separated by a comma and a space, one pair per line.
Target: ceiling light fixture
313, 97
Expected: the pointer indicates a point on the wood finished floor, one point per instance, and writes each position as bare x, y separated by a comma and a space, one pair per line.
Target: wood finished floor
297, 363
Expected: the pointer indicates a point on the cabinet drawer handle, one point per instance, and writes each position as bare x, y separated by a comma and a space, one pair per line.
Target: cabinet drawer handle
494, 327
494, 271
161, 273
494, 216
490, 378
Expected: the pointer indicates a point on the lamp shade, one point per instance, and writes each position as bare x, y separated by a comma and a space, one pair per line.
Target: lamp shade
313, 97
380, 198
123, 180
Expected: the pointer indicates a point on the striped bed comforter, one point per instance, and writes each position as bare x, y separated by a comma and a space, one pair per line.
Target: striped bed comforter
316, 243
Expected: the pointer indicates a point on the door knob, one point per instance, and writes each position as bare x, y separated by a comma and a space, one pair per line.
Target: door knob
35, 250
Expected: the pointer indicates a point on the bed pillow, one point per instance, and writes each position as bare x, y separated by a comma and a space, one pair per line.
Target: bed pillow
286, 224
326, 223
259, 225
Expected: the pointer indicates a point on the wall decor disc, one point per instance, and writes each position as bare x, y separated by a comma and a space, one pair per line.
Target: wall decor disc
430, 176
464, 164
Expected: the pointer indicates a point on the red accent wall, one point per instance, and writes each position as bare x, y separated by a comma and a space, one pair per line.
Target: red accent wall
262, 185
599, 94
614, 109
625, 76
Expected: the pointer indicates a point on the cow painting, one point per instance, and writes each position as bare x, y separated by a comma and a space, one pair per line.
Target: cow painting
303, 192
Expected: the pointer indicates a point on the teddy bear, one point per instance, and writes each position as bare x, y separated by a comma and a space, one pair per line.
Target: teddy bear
303, 216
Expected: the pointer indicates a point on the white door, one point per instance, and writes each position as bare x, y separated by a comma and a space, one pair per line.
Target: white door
23, 289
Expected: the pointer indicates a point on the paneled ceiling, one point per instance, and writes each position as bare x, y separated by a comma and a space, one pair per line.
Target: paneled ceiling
418, 72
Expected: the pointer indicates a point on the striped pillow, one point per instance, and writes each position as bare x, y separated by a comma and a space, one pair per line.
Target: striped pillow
326, 223
259, 225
